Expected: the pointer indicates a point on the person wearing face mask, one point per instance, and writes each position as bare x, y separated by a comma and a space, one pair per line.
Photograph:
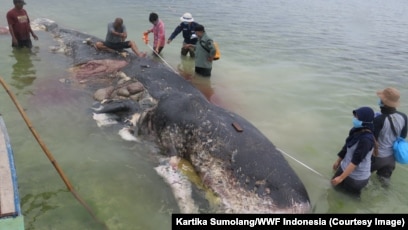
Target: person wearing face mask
158, 32
384, 125
352, 167
188, 26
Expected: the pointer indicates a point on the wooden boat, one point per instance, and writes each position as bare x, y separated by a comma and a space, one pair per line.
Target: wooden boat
11, 217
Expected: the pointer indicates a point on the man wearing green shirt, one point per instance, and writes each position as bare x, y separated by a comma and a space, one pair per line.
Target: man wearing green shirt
204, 52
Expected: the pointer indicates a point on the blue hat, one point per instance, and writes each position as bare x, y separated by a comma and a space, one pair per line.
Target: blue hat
366, 115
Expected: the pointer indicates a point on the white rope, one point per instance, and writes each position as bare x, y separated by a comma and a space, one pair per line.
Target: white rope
316, 172
158, 55
301, 163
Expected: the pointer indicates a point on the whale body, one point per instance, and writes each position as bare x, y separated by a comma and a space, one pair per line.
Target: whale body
232, 158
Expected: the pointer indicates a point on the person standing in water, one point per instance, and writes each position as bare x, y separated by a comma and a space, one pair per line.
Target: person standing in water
205, 52
385, 123
19, 26
158, 32
352, 167
187, 26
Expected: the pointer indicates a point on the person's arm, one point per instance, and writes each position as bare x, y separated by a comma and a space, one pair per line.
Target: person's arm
159, 35
124, 33
11, 22
342, 152
112, 30
212, 50
33, 34
378, 125
340, 155
349, 169
336, 164
364, 146
30, 30
404, 129
13, 37
124, 36
175, 33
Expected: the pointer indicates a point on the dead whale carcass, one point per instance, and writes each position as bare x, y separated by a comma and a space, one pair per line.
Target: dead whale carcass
232, 158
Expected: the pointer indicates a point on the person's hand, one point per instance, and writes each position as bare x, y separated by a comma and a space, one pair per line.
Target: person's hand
336, 165
35, 37
210, 59
337, 180
187, 46
168, 41
156, 50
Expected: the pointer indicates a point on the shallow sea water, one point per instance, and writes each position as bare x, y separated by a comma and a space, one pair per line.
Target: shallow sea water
295, 69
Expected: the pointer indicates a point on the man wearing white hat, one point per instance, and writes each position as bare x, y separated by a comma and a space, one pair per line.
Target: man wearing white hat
385, 124
188, 26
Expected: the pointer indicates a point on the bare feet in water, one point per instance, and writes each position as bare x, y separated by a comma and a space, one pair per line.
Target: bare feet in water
141, 54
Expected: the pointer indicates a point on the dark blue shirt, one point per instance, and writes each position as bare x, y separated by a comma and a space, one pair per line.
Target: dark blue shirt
188, 31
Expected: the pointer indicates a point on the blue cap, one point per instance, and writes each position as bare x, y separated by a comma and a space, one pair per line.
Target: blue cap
366, 115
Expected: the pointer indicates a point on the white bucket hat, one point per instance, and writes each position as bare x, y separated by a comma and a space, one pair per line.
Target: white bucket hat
187, 17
